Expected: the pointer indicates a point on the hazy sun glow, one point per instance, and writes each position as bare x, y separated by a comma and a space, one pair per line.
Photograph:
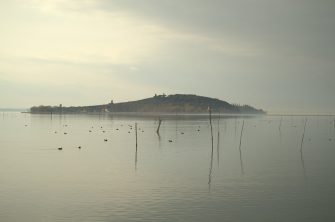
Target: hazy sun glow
91, 51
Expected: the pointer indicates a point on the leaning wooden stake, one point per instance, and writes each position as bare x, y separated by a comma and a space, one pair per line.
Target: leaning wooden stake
159, 125
303, 135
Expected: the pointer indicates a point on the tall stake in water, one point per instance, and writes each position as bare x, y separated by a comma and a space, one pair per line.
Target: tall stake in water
242, 169
280, 128
210, 122
303, 135
218, 143
159, 125
136, 146
211, 165
301, 150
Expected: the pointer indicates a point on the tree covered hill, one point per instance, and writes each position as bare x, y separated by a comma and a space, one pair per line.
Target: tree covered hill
178, 103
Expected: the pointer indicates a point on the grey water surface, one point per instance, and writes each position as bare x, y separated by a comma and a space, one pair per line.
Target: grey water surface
268, 172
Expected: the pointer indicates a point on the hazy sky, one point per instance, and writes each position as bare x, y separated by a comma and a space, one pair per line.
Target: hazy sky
278, 55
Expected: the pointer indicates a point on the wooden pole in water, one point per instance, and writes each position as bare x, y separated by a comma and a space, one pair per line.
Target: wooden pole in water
136, 134
159, 125
211, 164
303, 135
301, 151
242, 169
218, 144
136, 146
210, 122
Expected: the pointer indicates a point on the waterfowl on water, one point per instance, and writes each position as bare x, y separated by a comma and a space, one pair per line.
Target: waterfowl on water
79, 147
170, 141
60, 148
105, 140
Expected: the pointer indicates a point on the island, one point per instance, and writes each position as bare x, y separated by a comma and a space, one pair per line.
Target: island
177, 103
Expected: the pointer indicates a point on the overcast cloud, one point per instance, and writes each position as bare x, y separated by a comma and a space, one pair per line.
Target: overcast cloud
275, 55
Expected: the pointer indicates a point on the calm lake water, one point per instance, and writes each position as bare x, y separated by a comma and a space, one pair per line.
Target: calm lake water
267, 175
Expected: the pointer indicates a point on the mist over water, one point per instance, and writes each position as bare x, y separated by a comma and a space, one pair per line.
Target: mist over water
272, 169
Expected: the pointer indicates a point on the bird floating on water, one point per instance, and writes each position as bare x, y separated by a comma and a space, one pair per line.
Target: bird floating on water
60, 148
105, 140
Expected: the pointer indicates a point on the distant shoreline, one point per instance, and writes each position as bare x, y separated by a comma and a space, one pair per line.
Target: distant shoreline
160, 114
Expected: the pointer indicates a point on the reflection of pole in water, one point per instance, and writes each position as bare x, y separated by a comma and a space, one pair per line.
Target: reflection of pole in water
242, 169
210, 170
301, 149
302, 162
136, 146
